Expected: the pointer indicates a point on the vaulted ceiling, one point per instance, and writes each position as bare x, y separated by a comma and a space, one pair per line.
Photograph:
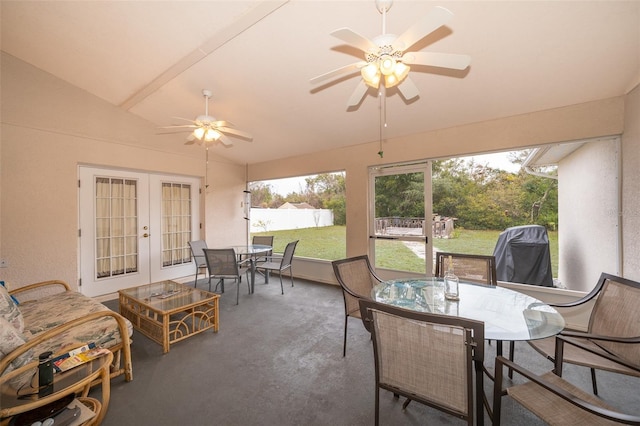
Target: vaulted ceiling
154, 58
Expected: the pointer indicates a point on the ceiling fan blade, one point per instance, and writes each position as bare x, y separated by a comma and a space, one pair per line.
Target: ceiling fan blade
179, 126
225, 141
358, 94
431, 22
236, 132
408, 89
185, 119
338, 72
434, 59
221, 123
354, 39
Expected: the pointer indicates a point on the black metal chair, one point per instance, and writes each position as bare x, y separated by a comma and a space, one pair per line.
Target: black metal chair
198, 257
280, 265
222, 264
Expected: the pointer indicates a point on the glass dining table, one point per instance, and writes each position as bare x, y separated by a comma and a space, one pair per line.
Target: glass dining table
508, 315
249, 253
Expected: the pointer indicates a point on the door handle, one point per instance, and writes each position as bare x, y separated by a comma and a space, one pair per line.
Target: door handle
145, 235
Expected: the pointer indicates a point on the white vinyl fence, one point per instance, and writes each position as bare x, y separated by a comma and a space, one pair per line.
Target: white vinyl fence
264, 220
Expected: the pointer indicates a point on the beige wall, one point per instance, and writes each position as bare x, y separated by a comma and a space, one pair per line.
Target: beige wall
630, 208
48, 129
587, 214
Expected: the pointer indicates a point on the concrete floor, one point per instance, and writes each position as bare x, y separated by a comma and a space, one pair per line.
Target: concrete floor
277, 360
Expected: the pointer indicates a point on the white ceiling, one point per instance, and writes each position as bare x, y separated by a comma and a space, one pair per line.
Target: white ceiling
153, 58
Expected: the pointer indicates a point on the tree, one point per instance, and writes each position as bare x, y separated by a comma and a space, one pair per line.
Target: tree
261, 194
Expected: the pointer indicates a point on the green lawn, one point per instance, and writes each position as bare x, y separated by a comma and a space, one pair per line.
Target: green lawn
329, 243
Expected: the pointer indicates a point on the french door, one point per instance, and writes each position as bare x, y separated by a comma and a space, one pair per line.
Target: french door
400, 219
134, 228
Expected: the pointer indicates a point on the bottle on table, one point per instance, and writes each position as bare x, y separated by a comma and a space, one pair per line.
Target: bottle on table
451, 282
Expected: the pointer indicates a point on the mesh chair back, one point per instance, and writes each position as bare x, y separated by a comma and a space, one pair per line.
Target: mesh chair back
469, 267
427, 357
197, 253
357, 279
287, 256
616, 313
263, 240
222, 263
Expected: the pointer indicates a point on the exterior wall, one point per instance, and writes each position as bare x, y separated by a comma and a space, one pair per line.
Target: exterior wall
630, 210
263, 220
48, 129
587, 214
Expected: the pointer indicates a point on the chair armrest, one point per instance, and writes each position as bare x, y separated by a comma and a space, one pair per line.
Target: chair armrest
501, 362
580, 334
122, 328
51, 286
570, 337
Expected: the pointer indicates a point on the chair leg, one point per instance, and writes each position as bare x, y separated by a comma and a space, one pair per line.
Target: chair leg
406, 402
281, 286
593, 381
512, 348
377, 405
195, 283
238, 282
344, 343
291, 275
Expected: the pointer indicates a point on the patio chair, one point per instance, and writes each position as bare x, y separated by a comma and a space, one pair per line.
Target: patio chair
264, 240
222, 264
428, 358
553, 399
612, 339
357, 278
280, 265
198, 257
475, 268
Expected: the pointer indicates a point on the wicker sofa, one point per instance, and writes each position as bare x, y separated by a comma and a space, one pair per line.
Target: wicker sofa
49, 316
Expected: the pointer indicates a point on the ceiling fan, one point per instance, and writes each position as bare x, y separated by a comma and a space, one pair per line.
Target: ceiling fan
387, 59
206, 130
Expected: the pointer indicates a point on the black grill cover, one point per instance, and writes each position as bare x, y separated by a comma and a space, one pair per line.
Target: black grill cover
523, 256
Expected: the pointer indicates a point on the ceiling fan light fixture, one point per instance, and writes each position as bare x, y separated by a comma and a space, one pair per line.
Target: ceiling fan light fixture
211, 135
371, 74
390, 81
199, 133
401, 71
387, 65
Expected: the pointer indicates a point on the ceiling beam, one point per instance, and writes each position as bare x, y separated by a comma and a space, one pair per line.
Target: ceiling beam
252, 16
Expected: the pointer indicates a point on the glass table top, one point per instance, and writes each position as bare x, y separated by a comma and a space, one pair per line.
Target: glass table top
507, 314
251, 249
167, 295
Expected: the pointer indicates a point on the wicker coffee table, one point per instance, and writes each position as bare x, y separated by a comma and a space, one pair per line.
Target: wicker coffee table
167, 311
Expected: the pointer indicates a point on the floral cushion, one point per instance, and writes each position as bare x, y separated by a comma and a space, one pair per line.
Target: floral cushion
43, 314
10, 339
9, 310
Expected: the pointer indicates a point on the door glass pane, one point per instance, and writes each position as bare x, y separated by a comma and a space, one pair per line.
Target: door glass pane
399, 206
176, 223
399, 224
116, 243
